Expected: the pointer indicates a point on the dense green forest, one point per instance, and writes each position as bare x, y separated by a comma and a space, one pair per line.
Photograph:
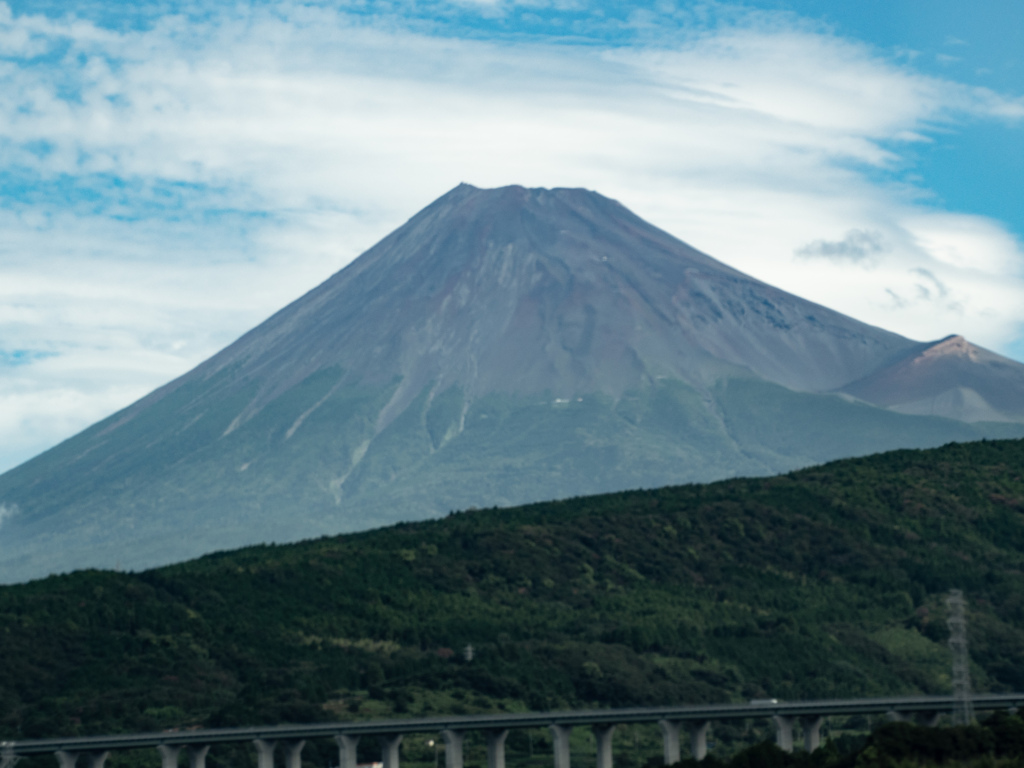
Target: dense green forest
827, 582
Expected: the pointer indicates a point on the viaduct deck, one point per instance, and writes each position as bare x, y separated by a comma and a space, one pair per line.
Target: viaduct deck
695, 718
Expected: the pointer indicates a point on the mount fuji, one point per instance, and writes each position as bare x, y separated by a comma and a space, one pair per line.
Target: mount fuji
503, 346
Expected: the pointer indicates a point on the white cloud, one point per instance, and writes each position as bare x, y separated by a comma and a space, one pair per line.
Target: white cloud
183, 182
858, 245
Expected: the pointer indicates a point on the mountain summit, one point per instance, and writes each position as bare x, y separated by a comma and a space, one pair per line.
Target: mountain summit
503, 346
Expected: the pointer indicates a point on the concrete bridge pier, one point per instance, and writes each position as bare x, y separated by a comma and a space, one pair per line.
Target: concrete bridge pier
561, 743
92, 759
293, 753
670, 740
452, 748
812, 731
197, 755
603, 736
389, 753
168, 755
347, 750
699, 739
264, 753
783, 732
496, 748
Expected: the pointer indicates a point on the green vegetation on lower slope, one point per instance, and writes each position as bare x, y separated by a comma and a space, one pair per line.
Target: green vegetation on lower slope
828, 582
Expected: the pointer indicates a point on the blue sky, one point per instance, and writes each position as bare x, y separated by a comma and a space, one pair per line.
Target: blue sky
977, 165
171, 173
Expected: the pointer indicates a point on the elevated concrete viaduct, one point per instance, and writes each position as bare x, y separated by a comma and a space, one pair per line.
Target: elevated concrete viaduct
92, 751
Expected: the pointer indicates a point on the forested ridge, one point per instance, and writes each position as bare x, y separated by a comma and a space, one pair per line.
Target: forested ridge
827, 582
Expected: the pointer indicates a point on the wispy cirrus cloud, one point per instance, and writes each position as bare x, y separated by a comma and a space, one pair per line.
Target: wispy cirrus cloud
165, 186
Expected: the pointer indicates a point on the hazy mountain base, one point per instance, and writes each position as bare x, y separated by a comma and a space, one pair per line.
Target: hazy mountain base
82, 504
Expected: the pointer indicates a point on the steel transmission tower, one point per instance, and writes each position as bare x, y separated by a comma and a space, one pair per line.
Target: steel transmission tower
963, 712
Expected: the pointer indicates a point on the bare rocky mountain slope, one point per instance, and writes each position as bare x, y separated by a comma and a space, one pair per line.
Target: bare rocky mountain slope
951, 377
503, 346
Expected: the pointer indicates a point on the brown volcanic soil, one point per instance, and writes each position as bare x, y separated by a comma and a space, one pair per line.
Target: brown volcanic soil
951, 377
523, 291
